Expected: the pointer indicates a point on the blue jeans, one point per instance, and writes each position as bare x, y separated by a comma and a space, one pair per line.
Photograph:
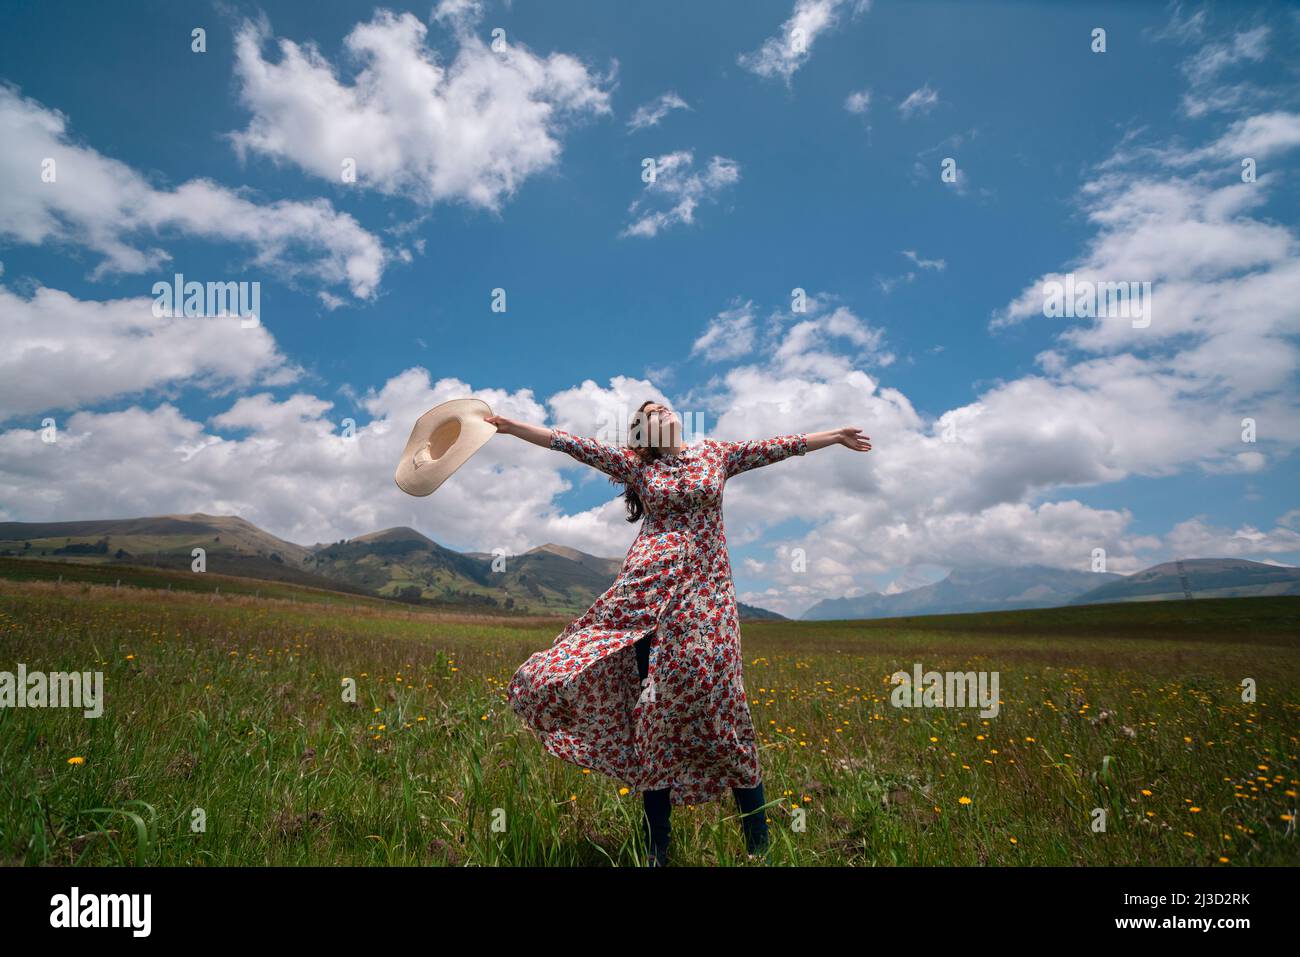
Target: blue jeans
657, 807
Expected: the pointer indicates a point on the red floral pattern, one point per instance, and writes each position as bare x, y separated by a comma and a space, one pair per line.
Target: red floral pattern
688, 727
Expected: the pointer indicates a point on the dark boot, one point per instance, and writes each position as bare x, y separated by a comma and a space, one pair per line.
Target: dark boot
753, 822
656, 826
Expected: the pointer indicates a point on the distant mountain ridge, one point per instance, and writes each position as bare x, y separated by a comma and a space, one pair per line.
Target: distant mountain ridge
1008, 588
399, 563
996, 588
1202, 578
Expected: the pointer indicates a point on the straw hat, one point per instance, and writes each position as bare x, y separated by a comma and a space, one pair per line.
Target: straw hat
442, 441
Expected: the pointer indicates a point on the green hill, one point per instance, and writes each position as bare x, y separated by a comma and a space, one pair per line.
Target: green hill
1202, 578
395, 563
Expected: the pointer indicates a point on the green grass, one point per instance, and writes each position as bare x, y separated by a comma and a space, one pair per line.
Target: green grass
231, 704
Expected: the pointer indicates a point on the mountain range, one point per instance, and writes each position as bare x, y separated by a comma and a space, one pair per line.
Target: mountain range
397, 563
1006, 588
402, 564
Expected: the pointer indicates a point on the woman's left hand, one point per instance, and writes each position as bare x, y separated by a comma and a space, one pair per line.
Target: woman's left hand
852, 438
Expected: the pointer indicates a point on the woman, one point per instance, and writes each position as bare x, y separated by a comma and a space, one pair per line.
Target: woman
646, 686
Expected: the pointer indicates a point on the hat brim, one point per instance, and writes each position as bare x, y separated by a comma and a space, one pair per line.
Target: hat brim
449, 434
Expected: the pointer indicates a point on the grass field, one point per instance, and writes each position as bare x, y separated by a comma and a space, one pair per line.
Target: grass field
231, 704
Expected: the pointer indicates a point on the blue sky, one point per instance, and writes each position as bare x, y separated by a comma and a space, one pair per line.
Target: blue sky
519, 169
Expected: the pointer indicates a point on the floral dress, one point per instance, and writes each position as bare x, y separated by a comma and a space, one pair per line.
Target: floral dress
687, 726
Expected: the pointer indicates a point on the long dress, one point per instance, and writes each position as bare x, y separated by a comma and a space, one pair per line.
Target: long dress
687, 726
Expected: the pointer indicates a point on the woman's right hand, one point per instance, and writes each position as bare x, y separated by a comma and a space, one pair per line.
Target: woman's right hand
536, 434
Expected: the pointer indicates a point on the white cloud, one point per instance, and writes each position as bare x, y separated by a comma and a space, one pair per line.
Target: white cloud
472, 131
887, 285
1222, 283
286, 466
783, 54
1262, 136
830, 340
858, 102
677, 191
919, 101
937, 264
104, 205
729, 335
1207, 92
65, 353
459, 13
1197, 538
652, 113
1182, 28
1212, 60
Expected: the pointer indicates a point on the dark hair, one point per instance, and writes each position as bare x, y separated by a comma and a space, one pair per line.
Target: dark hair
647, 451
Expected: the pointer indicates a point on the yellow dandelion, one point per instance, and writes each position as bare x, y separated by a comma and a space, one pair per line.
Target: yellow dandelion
77, 760
963, 800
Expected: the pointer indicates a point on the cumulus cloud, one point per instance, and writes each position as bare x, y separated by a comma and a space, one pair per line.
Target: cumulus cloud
105, 206
471, 131
677, 191
1222, 282
729, 335
286, 465
1197, 537
65, 353
1260, 137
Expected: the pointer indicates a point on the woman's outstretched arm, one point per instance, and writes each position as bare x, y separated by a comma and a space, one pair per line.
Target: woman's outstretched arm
529, 433
755, 453
848, 437
618, 462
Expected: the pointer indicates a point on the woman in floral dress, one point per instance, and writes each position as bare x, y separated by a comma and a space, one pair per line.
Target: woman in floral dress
646, 685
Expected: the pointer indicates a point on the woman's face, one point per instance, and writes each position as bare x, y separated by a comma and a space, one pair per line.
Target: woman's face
661, 422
